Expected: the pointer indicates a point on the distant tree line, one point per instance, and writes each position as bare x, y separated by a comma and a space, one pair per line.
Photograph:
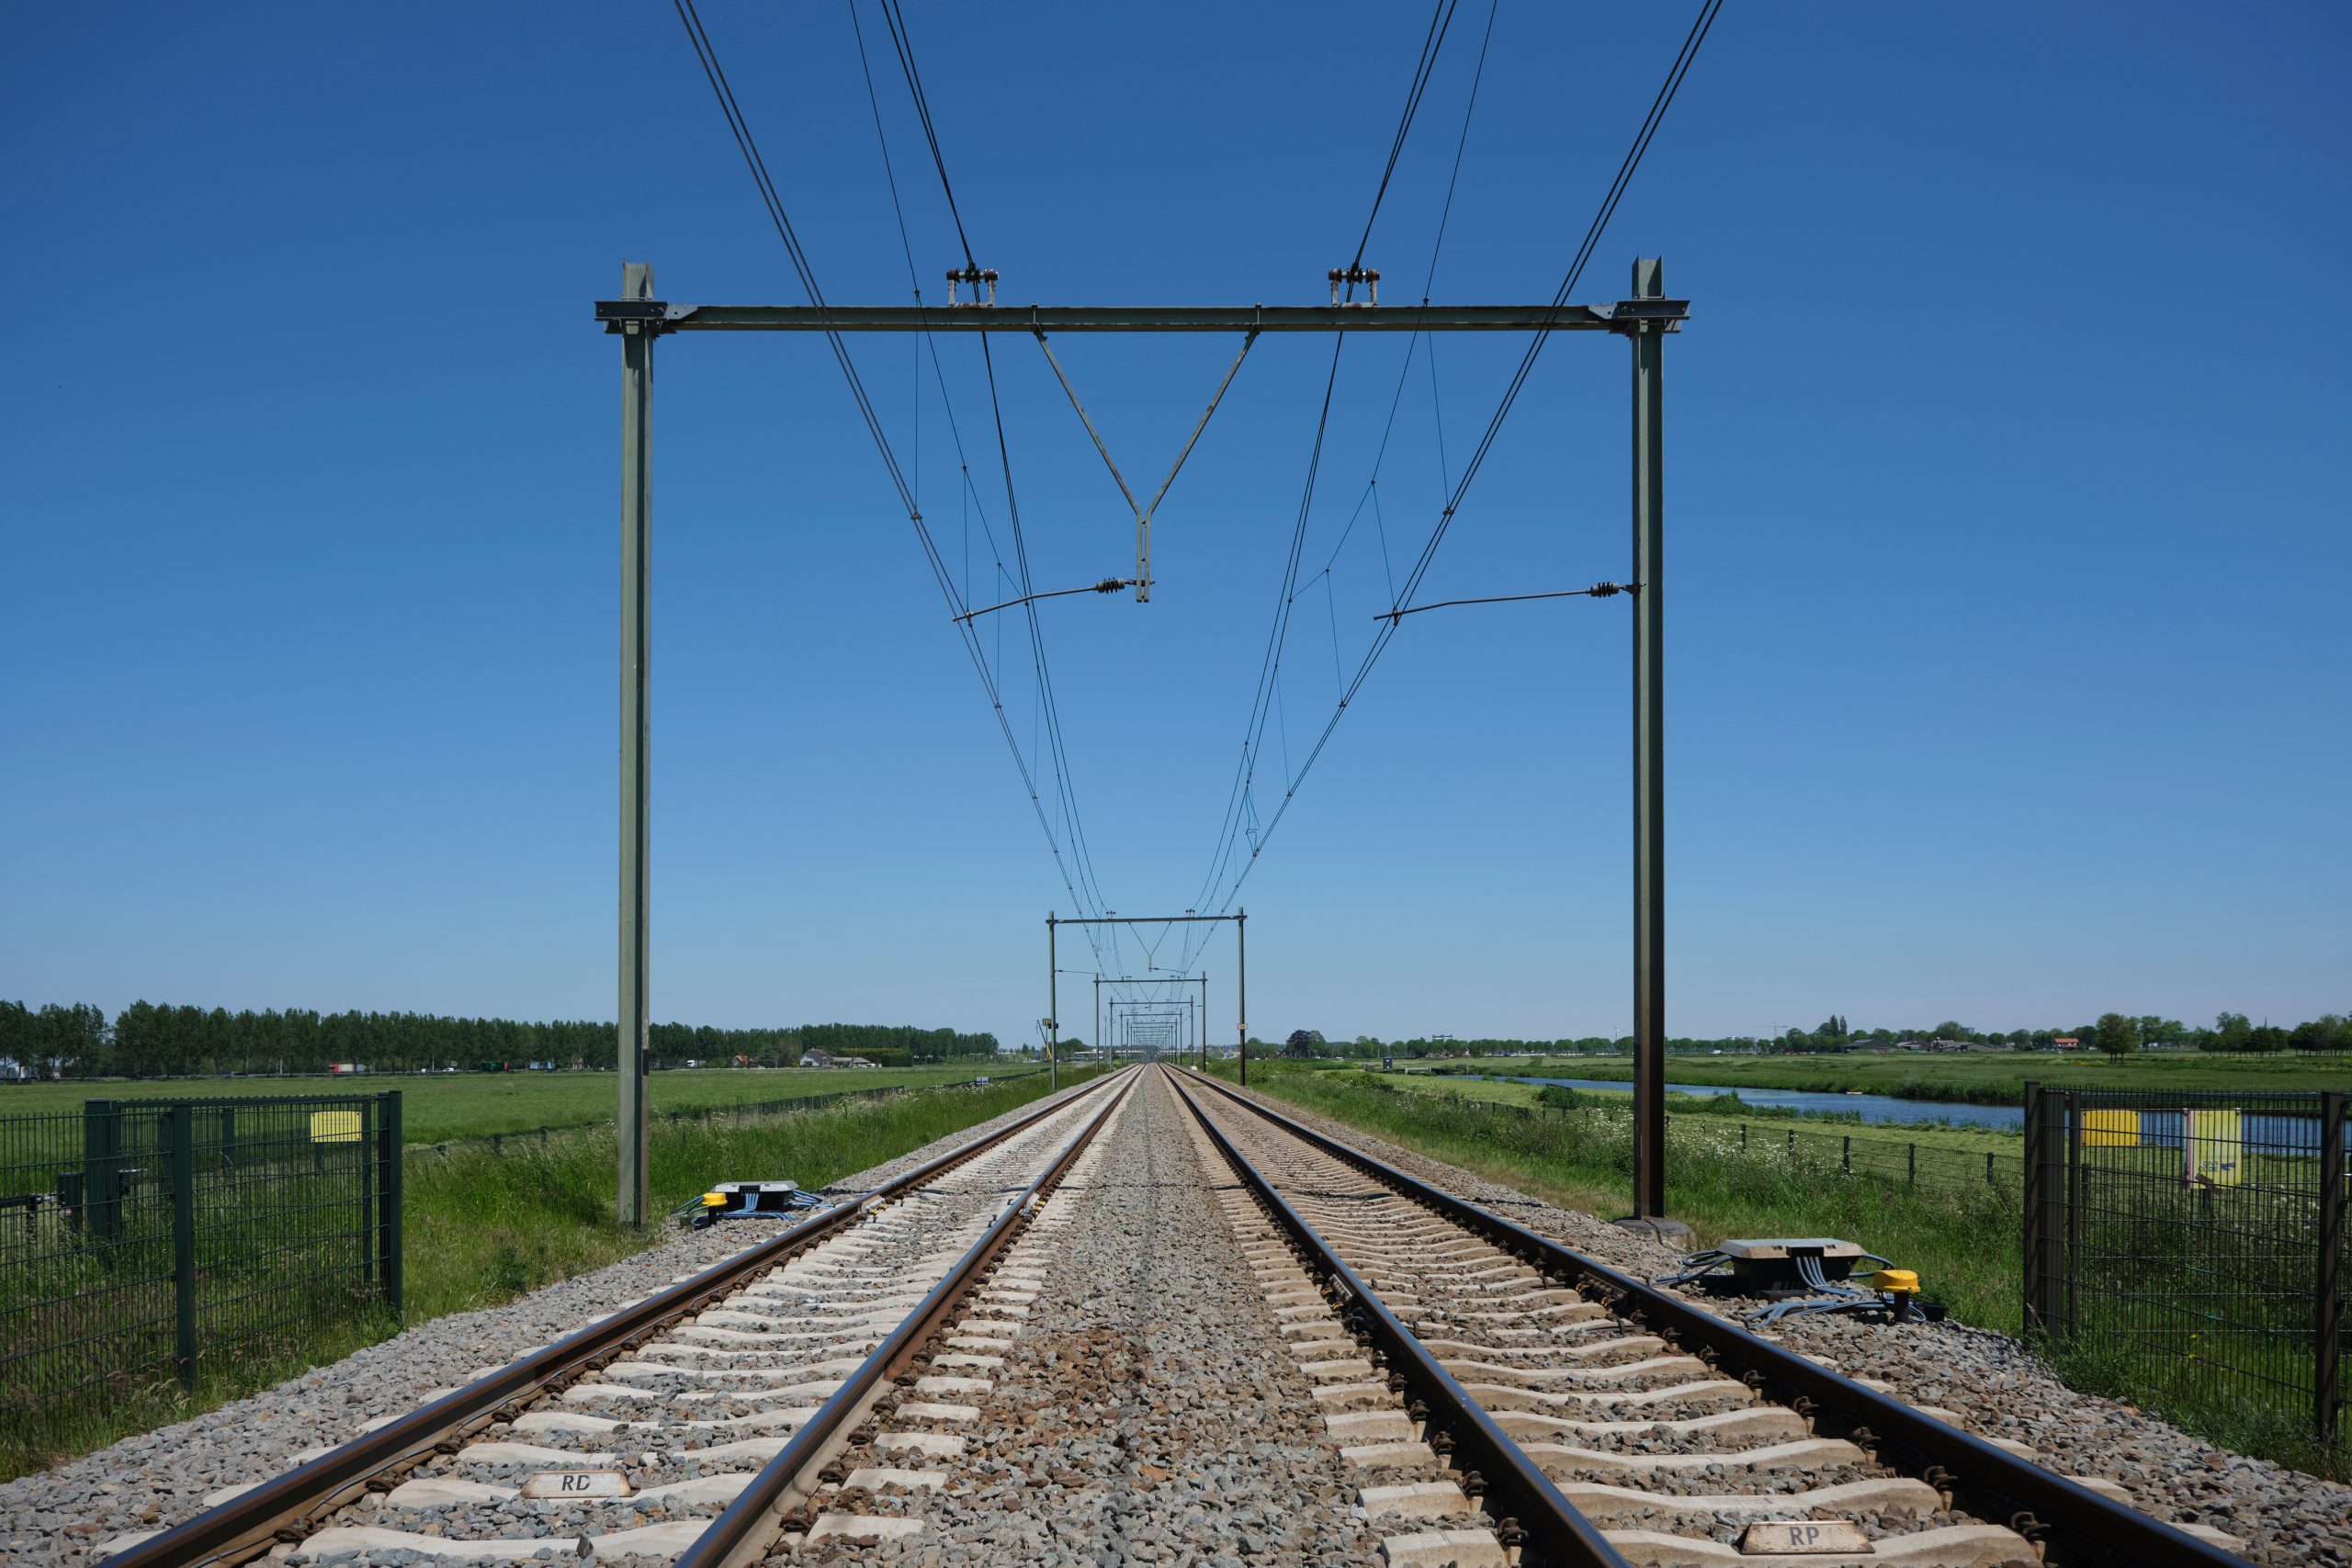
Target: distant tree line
151, 1040
2116, 1033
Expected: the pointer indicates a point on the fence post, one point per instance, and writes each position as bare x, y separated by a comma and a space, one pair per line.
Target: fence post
2041, 1313
1846, 1155
1743, 1137
388, 1150
2074, 1200
2327, 1365
179, 1140
102, 1166
1988, 1168
1913, 1175
369, 1151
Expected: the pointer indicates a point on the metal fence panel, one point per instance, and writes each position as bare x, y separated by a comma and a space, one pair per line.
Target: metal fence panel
2196, 1239
144, 1240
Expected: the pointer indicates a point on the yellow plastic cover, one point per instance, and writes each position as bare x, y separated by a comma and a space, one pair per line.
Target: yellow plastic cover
334, 1126
714, 1200
1896, 1279
2113, 1129
2214, 1154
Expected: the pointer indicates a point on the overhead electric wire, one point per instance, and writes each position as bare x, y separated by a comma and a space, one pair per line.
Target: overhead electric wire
706, 55
1441, 20
902, 42
970, 494
1108, 585
1389, 623
1598, 591
1238, 804
906, 246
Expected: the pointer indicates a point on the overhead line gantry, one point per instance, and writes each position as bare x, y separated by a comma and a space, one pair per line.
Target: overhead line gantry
638, 319
1201, 980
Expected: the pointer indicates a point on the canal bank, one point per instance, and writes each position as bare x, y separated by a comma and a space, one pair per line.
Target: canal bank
1877, 1109
1939, 1080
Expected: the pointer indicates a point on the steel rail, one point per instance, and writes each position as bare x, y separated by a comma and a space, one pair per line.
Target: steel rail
2075, 1524
252, 1522
1530, 1510
745, 1532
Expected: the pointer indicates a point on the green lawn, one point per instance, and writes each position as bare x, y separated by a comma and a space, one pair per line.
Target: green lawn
1976, 1077
435, 1108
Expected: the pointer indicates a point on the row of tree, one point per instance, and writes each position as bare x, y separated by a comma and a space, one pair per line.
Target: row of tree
151, 1040
2119, 1035
2116, 1033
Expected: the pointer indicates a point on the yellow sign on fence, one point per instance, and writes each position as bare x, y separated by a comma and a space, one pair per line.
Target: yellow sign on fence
334, 1126
2110, 1129
2214, 1148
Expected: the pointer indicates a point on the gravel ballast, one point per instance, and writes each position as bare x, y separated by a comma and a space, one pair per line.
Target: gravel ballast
1149, 1415
152, 1482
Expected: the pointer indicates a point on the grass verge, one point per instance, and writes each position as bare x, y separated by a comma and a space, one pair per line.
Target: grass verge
1976, 1140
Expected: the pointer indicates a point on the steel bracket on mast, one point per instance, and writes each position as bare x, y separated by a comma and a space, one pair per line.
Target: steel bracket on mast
634, 317
1631, 316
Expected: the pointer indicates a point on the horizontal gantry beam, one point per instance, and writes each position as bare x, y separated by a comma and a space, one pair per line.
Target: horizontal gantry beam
1625, 316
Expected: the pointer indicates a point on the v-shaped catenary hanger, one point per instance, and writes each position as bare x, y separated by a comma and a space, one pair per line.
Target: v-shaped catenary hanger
1143, 514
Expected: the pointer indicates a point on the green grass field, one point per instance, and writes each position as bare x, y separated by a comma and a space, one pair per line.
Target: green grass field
439, 1107
1974, 1078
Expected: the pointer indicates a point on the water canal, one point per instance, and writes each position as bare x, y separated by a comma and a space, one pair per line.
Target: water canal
2278, 1132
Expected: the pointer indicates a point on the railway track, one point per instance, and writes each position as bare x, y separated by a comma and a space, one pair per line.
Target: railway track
692, 1425
1508, 1399
1482, 1395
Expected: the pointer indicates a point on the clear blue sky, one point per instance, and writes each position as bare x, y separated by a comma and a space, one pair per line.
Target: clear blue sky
2007, 509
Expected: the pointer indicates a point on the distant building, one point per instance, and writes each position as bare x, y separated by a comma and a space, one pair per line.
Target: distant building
2066, 1043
